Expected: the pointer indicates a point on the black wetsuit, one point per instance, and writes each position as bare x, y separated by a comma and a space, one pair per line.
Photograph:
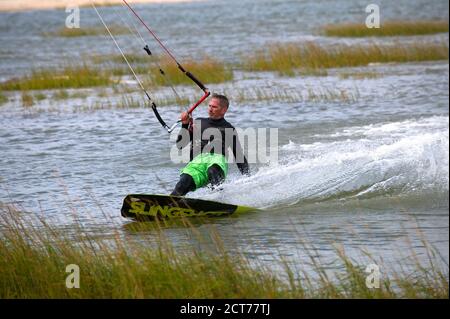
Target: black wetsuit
213, 136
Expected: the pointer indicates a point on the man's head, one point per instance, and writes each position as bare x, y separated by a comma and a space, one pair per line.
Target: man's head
218, 106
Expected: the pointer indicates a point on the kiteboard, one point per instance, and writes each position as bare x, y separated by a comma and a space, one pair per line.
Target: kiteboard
150, 207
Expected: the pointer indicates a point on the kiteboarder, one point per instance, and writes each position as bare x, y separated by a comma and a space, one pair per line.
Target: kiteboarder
209, 139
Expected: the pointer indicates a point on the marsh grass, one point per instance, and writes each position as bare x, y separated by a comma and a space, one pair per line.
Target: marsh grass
132, 102
61, 95
102, 93
292, 59
286, 59
127, 99
182, 101
68, 77
40, 96
249, 95
34, 257
79, 95
121, 71
87, 31
128, 102
388, 28
359, 75
3, 98
206, 69
316, 94
27, 99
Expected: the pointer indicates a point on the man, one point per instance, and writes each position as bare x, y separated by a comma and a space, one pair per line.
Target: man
210, 139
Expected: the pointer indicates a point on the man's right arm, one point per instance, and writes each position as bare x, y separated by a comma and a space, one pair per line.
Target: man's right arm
185, 135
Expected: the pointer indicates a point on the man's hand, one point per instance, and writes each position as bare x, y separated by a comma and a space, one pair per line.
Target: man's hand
185, 116
245, 170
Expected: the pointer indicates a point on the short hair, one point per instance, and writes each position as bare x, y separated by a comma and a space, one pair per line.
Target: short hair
222, 98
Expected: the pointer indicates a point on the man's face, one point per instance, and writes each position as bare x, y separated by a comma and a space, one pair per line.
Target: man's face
215, 109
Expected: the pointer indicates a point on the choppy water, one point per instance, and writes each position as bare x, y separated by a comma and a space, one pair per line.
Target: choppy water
366, 173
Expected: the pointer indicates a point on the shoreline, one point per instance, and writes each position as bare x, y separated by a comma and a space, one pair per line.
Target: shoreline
25, 5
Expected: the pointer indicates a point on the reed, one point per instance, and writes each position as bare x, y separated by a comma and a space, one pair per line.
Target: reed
86, 31
27, 99
182, 101
34, 257
388, 28
121, 71
68, 77
39, 96
207, 70
130, 102
3, 98
359, 75
282, 95
290, 59
79, 95
61, 95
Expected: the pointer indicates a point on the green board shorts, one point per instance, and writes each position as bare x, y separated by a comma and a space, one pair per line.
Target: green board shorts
198, 167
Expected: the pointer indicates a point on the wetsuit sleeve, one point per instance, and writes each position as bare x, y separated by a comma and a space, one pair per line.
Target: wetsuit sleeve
241, 160
183, 142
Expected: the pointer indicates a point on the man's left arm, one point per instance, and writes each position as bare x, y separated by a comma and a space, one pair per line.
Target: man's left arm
241, 160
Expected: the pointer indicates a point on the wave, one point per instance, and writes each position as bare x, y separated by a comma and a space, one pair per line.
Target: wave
388, 159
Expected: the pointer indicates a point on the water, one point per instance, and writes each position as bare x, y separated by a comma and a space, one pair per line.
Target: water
367, 173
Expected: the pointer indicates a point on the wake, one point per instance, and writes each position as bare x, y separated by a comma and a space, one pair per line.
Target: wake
393, 159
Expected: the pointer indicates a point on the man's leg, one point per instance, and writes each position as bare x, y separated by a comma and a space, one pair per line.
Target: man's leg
216, 176
185, 185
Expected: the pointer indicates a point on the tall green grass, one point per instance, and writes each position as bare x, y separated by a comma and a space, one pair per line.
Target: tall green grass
359, 75
60, 95
34, 257
289, 59
316, 94
27, 99
207, 69
3, 98
117, 58
388, 28
68, 77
